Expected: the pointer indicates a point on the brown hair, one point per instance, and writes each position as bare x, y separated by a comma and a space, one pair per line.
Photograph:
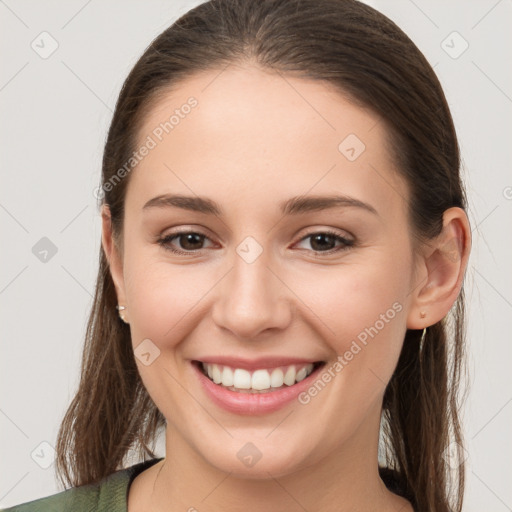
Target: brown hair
366, 57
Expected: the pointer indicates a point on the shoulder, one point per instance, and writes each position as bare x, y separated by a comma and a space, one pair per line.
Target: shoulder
84, 498
107, 495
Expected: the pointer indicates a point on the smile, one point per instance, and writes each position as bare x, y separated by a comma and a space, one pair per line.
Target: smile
249, 388
263, 380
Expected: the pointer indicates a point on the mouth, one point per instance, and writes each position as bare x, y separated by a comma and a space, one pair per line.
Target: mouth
259, 380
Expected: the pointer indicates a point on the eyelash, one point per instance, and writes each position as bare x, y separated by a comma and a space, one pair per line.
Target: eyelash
347, 244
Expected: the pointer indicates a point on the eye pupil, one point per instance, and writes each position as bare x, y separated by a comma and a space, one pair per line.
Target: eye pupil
190, 238
318, 237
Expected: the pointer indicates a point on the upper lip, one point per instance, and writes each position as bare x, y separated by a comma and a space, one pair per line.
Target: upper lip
255, 364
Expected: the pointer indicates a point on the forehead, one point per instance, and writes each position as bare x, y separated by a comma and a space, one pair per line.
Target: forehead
242, 130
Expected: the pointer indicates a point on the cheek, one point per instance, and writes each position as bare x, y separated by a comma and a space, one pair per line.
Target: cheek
165, 304
360, 310
354, 296
163, 298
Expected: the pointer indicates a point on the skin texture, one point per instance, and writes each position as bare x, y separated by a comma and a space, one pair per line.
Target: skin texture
256, 139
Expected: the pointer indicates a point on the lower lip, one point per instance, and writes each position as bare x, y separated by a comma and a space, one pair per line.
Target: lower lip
252, 403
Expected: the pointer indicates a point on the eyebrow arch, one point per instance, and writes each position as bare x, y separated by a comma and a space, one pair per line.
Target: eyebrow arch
292, 206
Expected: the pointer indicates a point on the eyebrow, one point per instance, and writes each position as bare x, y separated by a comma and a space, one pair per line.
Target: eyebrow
292, 206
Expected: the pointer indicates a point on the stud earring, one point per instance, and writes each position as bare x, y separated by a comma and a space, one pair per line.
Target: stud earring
121, 309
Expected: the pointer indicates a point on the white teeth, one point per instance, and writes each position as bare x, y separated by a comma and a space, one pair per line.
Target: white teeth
301, 374
227, 376
216, 375
259, 380
241, 379
276, 379
289, 376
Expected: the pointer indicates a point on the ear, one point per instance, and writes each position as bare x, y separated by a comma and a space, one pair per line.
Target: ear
113, 255
440, 271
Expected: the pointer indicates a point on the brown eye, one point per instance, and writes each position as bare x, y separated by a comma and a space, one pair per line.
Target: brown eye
188, 242
325, 242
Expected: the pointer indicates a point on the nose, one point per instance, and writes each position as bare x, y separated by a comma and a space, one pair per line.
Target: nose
252, 299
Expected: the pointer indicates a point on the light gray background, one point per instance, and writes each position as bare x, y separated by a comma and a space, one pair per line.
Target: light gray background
54, 117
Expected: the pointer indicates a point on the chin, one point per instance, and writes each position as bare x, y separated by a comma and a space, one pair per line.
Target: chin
260, 459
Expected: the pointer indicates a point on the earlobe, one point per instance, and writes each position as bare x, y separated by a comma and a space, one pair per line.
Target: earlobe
444, 266
112, 254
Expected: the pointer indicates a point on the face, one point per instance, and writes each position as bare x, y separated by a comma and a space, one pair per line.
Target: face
267, 276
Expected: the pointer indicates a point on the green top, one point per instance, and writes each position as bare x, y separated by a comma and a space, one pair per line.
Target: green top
109, 495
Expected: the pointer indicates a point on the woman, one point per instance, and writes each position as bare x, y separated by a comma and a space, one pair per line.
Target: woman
281, 275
